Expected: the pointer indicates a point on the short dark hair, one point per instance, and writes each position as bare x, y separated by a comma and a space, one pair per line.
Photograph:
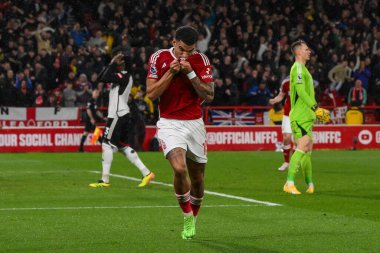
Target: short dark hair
296, 44
187, 35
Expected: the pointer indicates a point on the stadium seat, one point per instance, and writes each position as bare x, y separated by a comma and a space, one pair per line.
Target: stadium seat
370, 117
354, 116
275, 117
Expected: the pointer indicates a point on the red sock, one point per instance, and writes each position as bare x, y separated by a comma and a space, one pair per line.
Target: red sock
184, 202
186, 207
195, 209
195, 204
286, 152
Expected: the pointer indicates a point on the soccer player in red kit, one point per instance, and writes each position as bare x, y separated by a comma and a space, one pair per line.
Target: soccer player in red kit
182, 79
286, 129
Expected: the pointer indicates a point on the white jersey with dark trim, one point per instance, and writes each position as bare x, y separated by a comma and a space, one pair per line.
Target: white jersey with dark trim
121, 83
118, 98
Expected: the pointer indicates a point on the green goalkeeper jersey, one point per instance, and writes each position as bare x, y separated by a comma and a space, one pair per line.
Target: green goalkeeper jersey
301, 94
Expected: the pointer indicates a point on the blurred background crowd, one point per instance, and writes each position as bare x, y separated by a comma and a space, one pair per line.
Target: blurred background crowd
51, 51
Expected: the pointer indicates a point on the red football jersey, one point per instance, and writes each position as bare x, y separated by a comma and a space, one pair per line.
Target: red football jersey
285, 88
180, 100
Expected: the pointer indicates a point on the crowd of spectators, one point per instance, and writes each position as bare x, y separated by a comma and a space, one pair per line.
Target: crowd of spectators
51, 51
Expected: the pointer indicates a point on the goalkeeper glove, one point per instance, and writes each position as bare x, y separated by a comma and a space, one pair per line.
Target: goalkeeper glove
322, 115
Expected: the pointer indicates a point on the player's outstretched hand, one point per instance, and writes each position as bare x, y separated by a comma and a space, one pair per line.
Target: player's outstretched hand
322, 115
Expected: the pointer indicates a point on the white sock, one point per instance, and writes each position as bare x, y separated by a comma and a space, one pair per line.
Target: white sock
107, 157
132, 156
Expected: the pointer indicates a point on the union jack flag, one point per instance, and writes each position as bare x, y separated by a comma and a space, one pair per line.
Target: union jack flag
228, 118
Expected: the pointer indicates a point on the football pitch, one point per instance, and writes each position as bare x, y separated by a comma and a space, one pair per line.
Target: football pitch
47, 206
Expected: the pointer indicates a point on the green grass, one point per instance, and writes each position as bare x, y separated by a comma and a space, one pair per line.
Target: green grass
343, 215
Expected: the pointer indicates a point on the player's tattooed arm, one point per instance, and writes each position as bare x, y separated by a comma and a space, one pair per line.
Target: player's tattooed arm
204, 90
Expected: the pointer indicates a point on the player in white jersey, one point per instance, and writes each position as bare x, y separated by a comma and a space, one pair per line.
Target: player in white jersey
115, 135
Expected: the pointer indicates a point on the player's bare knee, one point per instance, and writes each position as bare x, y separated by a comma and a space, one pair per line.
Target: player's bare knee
177, 160
180, 176
179, 168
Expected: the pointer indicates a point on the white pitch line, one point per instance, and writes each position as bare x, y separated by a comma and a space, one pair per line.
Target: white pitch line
108, 207
208, 192
242, 198
42, 171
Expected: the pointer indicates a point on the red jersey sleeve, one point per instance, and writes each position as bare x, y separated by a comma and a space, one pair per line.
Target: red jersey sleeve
153, 71
285, 87
202, 68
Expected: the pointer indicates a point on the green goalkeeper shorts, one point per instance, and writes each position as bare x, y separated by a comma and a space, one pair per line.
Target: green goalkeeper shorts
303, 128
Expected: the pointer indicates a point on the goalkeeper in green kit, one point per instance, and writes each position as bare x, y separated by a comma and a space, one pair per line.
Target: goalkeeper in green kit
304, 110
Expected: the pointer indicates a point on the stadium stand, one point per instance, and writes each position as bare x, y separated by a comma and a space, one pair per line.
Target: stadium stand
51, 51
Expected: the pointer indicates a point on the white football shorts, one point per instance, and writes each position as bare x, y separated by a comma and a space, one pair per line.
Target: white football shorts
189, 135
286, 128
